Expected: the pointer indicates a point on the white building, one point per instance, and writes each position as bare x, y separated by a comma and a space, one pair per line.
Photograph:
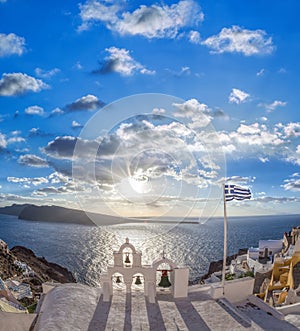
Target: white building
268, 248
19, 290
253, 253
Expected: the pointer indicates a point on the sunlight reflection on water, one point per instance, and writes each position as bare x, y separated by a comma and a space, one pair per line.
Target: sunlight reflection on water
86, 251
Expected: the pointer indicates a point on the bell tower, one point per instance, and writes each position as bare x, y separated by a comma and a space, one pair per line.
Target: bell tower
128, 264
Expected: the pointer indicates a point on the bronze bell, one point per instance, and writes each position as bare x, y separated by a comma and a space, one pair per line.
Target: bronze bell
138, 280
118, 280
127, 260
164, 281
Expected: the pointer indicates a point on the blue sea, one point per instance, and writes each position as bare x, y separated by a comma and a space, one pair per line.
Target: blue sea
86, 251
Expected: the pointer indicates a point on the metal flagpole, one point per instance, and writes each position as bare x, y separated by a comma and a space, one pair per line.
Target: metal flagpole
225, 242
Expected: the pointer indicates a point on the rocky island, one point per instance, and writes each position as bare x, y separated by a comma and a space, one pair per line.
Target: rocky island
57, 214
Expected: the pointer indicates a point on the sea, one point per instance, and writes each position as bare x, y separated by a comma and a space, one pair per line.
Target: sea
86, 251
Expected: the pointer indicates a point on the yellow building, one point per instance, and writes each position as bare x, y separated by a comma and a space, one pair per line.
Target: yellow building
284, 285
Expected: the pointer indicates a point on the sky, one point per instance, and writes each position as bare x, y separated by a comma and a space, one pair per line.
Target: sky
143, 108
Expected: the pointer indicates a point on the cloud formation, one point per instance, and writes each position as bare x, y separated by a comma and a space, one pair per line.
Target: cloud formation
148, 21
34, 110
274, 105
194, 37
292, 184
11, 44
35, 181
76, 125
3, 141
238, 96
119, 60
14, 84
198, 113
88, 102
238, 40
46, 73
32, 160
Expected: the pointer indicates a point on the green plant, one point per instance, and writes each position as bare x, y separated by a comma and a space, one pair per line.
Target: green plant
229, 276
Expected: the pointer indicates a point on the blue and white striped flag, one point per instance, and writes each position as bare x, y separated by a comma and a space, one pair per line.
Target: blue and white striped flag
236, 192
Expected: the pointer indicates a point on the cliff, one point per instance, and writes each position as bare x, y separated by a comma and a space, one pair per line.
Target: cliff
43, 270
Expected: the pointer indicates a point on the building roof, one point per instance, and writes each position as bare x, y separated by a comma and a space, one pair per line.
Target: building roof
76, 306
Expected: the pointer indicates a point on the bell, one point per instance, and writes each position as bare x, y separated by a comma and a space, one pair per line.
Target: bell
127, 259
138, 280
164, 281
118, 280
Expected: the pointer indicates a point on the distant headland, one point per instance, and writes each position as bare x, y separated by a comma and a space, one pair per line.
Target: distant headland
57, 214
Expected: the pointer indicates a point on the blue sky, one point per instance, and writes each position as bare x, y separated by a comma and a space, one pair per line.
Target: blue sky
223, 78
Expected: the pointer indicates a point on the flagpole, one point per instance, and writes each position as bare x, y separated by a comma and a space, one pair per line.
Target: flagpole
225, 242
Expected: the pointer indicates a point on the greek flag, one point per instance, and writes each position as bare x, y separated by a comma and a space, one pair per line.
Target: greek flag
236, 192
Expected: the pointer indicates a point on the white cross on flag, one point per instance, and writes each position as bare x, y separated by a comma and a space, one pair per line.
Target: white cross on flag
236, 192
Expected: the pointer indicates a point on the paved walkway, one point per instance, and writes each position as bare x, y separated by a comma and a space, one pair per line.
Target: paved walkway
15, 321
197, 312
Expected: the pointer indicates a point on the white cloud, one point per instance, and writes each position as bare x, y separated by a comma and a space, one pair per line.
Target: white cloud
78, 65
11, 44
149, 21
46, 73
260, 72
32, 160
3, 141
18, 83
199, 113
292, 184
119, 60
263, 159
96, 11
238, 40
57, 111
87, 102
272, 106
282, 71
249, 129
194, 37
184, 71
35, 181
15, 140
253, 141
158, 111
238, 96
292, 130
76, 125
256, 135
34, 110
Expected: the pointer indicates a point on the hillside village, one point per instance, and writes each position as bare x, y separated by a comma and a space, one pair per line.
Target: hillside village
22, 275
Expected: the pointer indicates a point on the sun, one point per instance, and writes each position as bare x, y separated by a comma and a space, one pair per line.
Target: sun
140, 183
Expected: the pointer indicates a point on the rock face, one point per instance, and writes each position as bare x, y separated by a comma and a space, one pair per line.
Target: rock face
7, 267
44, 270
